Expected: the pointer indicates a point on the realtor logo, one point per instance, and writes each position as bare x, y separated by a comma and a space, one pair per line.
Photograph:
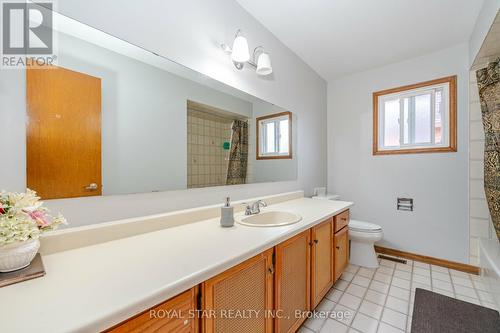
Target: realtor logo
27, 34
27, 29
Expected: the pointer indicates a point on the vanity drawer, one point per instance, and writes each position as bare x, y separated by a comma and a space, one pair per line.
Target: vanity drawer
174, 315
341, 220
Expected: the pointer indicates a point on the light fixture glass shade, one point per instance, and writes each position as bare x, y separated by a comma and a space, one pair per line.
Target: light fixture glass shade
240, 50
264, 64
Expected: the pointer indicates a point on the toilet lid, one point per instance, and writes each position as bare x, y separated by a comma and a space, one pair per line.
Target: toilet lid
364, 226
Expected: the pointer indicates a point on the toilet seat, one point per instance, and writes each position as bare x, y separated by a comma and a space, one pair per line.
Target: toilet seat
362, 226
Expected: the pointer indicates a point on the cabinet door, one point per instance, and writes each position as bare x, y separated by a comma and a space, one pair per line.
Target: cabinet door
321, 261
175, 315
292, 282
341, 250
238, 299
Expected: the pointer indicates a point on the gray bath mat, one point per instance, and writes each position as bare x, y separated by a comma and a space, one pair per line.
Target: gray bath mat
436, 313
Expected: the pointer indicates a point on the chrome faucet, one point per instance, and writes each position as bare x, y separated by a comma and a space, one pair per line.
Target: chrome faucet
254, 208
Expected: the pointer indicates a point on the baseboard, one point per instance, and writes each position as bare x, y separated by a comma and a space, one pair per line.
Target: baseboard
429, 260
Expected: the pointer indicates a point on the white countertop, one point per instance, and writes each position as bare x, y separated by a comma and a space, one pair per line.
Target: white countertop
92, 288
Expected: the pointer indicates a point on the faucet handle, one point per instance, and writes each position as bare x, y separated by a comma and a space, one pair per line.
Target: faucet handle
248, 209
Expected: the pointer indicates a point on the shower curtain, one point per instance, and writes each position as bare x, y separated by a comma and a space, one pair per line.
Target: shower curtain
238, 155
488, 81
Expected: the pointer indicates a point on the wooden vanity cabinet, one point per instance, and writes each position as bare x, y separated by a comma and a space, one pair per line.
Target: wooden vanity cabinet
175, 315
294, 275
292, 282
321, 260
340, 244
247, 286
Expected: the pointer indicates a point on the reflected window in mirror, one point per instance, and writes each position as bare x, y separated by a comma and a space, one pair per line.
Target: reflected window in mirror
274, 136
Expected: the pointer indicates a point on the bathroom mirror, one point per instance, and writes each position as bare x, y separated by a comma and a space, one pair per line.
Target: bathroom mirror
111, 118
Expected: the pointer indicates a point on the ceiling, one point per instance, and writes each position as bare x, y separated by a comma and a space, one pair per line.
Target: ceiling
340, 37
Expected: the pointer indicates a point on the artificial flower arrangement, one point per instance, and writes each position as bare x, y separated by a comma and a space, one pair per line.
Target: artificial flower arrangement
22, 220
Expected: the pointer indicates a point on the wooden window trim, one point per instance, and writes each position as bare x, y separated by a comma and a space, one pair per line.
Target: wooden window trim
452, 124
274, 115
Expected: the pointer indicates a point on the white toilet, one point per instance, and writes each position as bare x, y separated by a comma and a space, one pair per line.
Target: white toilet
363, 235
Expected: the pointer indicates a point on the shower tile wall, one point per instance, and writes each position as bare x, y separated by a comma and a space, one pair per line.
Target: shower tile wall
480, 225
207, 159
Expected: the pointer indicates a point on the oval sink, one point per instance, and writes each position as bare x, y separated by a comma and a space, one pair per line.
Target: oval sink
269, 219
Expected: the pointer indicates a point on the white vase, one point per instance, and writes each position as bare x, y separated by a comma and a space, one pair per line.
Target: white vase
18, 255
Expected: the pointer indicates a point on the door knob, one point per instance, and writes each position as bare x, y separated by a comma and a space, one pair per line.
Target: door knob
91, 187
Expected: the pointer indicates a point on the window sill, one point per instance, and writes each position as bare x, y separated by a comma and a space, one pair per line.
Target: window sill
449, 149
276, 157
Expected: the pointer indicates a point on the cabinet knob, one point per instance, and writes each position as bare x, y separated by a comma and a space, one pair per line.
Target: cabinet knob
271, 270
316, 241
338, 247
91, 187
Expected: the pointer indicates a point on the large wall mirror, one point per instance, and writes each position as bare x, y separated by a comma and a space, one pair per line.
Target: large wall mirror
112, 118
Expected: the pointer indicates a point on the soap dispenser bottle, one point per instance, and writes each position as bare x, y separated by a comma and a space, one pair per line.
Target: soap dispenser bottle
226, 214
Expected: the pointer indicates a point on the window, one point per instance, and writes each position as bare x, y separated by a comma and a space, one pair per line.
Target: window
419, 118
274, 136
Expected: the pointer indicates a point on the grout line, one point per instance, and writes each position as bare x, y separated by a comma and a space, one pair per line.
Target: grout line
475, 290
452, 284
385, 301
409, 299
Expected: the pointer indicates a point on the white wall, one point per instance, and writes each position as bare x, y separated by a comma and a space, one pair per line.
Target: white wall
12, 130
189, 32
438, 183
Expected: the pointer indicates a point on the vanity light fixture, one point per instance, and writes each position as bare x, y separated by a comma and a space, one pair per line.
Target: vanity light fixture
240, 55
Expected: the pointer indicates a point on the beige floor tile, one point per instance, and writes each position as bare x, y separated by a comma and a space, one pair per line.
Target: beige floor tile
394, 318
365, 324
371, 309
332, 325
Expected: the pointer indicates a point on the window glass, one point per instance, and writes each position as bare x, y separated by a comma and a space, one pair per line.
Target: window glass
406, 121
283, 137
423, 119
438, 126
391, 123
270, 138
